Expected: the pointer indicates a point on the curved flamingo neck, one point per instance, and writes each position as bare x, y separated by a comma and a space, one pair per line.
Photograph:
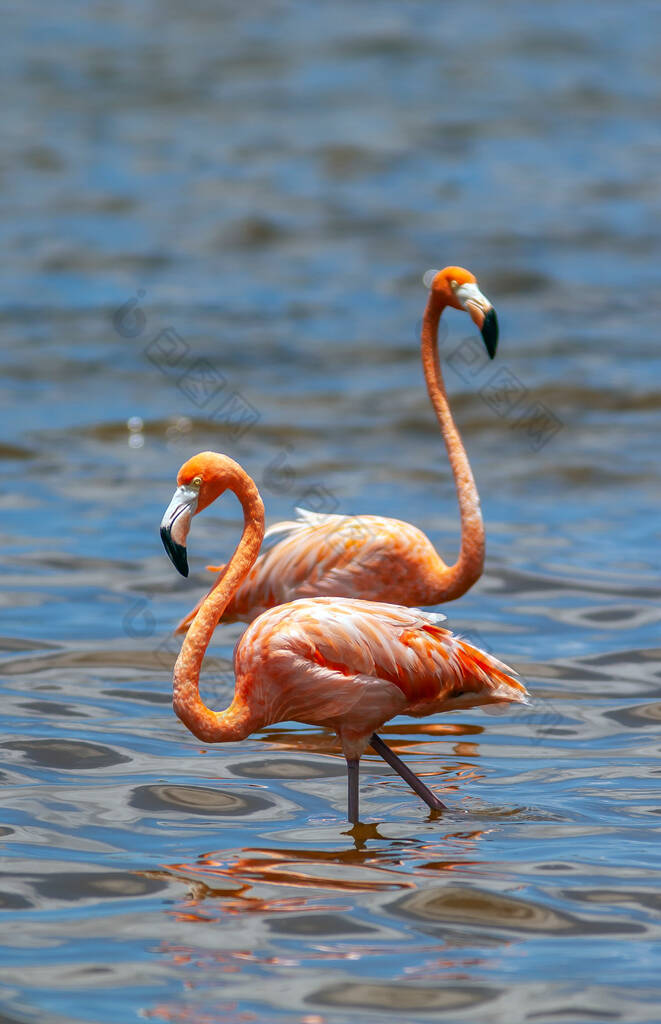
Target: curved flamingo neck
235, 722
454, 580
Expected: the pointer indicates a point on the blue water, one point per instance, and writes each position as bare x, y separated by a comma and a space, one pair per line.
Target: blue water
216, 222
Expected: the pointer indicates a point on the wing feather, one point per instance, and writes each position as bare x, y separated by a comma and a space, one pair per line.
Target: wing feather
434, 669
331, 555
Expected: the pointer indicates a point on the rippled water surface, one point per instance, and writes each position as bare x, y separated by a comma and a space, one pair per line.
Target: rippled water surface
215, 221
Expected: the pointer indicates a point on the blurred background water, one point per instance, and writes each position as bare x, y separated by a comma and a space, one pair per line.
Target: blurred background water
215, 220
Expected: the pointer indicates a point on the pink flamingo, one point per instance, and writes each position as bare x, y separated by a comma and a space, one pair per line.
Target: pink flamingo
348, 665
369, 556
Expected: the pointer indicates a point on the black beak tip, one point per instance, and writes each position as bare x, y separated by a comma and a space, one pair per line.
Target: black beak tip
176, 552
490, 332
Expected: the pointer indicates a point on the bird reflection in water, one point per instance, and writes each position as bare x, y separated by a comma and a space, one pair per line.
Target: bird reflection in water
218, 886
280, 883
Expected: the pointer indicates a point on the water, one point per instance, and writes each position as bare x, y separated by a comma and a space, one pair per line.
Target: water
267, 186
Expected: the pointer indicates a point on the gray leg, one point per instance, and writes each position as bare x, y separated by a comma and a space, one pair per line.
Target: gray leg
416, 784
353, 769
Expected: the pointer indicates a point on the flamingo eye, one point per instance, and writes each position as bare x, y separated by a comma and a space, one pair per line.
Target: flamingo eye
454, 285
197, 481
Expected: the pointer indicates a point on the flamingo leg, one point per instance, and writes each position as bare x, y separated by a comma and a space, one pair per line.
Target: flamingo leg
353, 771
416, 784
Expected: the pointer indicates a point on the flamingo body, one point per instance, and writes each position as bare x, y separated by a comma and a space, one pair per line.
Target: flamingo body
336, 556
349, 665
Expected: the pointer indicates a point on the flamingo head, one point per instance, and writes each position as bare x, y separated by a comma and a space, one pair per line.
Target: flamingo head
200, 481
457, 287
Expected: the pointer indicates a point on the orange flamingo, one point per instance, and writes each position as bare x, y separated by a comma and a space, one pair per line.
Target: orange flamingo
370, 556
345, 664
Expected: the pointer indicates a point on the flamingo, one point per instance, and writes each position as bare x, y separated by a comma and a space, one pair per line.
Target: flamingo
370, 556
345, 664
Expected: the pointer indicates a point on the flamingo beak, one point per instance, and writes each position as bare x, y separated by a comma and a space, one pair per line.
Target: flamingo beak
481, 313
175, 525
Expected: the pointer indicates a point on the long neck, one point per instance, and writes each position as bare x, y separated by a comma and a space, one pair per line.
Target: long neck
454, 580
235, 722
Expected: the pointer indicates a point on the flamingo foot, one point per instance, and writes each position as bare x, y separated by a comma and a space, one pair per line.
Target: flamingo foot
416, 784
